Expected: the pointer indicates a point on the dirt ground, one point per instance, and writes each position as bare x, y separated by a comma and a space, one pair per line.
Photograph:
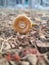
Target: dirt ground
31, 48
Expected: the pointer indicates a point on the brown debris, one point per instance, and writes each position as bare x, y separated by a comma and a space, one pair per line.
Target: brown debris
24, 45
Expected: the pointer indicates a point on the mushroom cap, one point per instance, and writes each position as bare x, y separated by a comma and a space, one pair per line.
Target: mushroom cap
22, 24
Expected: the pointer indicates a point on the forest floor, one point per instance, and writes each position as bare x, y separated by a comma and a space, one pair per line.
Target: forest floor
24, 42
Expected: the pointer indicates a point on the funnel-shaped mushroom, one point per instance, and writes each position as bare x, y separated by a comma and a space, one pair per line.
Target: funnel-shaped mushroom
22, 24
